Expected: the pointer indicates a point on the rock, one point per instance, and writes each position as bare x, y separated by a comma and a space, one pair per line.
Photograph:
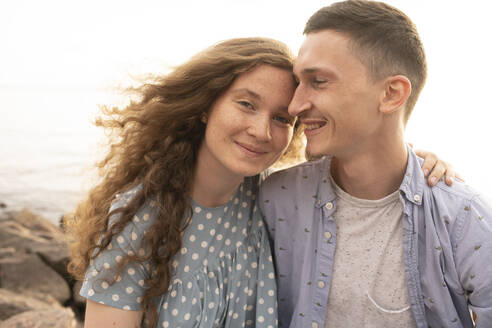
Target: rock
24, 230
56, 256
38, 225
13, 234
13, 303
33, 259
27, 232
27, 273
55, 318
6, 252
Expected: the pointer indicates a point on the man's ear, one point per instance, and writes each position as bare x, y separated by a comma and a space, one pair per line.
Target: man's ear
396, 91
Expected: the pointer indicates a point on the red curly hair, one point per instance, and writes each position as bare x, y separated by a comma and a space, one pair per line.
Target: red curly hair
154, 143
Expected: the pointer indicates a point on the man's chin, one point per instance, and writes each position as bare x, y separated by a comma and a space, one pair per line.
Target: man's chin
313, 155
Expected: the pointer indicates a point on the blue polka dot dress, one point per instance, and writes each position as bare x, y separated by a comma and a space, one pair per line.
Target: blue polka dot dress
223, 274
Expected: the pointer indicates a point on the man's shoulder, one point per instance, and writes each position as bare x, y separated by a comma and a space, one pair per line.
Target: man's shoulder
415, 187
306, 171
459, 206
299, 184
458, 190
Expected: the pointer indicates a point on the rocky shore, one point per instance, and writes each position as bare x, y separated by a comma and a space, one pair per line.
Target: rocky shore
35, 289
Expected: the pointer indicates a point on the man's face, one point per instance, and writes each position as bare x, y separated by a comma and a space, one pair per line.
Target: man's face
336, 99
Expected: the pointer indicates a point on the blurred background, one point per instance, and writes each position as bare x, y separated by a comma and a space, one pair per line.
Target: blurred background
59, 60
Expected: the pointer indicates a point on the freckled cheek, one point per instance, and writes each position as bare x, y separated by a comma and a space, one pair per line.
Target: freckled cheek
215, 136
225, 127
282, 140
235, 123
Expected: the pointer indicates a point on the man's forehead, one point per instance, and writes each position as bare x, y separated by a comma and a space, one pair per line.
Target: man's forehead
315, 68
312, 59
323, 51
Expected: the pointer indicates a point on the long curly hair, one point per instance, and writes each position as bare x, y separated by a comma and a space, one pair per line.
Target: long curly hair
154, 143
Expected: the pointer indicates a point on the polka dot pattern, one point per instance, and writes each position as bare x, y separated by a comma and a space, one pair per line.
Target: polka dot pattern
223, 275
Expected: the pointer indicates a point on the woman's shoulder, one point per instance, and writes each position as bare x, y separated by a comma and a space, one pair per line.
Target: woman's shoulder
142, 221
146, 213
123, 198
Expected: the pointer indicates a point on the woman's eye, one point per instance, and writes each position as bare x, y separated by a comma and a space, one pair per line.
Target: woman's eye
283, 120
245, 104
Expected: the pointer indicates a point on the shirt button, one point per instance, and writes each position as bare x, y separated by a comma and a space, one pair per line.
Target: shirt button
416, 198
329, 205
321, 284
327, 235
314, 325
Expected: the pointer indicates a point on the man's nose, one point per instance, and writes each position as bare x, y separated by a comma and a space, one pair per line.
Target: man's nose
299, 103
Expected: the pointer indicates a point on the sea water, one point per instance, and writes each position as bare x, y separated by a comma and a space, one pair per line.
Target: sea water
47, 148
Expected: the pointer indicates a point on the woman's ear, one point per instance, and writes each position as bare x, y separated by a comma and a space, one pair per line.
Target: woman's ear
396, 91
204, 118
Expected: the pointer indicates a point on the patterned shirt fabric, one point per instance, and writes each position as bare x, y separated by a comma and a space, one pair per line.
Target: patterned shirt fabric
368, 285
447, 246
223, 274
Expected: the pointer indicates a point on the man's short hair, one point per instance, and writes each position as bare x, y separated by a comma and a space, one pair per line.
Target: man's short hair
383, 38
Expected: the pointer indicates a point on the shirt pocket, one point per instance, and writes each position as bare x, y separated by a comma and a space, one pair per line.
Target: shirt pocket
397, 314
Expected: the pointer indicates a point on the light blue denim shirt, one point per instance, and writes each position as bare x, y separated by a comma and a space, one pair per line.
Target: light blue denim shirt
447, 246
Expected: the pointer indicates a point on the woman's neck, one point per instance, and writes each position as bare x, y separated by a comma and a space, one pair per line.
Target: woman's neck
212, 184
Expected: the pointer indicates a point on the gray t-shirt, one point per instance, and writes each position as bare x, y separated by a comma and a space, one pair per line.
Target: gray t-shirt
368, 287
223, 274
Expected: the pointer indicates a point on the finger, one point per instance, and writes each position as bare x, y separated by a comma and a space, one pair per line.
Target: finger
430, 160
450, 175
436, 173
459, 177
410, 144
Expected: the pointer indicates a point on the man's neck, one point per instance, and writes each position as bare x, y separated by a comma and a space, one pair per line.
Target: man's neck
374, 173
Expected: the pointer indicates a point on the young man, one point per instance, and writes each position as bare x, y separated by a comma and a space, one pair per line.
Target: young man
360, 239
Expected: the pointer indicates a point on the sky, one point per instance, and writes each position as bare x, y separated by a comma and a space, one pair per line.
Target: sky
67, 57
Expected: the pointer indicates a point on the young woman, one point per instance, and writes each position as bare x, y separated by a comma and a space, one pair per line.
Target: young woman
172, 229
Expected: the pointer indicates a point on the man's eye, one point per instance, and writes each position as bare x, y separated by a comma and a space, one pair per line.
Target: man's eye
319, 82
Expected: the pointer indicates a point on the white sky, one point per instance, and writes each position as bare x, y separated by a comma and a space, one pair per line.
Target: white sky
78, 48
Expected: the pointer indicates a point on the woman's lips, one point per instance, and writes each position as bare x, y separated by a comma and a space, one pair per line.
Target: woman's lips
250, 150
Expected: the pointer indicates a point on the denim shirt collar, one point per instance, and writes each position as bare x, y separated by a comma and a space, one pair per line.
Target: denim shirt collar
414, 181
412, 185
326, 193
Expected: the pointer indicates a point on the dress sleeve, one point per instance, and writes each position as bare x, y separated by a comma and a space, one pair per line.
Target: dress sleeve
474, 259
266, 295
123, 290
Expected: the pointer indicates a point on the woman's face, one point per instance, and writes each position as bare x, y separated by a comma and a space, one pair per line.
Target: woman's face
248, 126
